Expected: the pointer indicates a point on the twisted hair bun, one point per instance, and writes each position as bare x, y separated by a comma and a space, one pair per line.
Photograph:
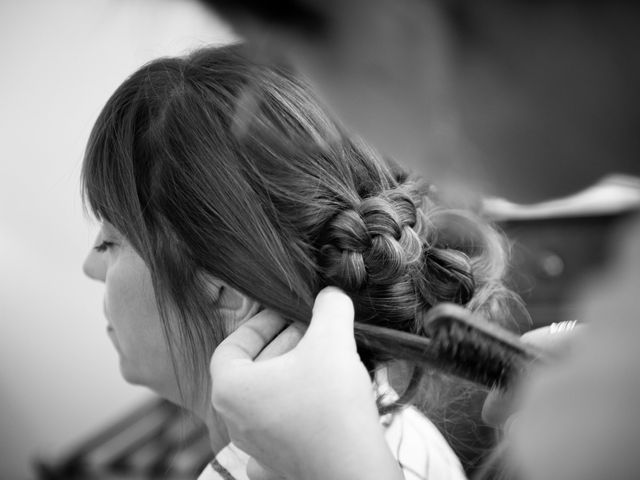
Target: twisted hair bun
373, 243
398, 252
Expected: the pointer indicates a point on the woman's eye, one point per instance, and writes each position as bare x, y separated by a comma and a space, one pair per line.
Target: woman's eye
104, 246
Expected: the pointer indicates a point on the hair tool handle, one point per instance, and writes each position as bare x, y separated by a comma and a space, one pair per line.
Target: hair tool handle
458, 342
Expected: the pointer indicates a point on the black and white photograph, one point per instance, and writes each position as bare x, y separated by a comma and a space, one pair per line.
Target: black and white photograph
319, 240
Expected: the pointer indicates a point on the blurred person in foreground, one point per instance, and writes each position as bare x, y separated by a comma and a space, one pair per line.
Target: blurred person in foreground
526, 100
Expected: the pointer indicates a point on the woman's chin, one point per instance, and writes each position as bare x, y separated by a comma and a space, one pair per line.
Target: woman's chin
133, 375
165, 388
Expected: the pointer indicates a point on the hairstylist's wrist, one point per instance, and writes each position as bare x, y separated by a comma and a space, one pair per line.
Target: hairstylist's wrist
351, 447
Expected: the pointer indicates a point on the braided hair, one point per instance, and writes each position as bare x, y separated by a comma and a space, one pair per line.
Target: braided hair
390, 256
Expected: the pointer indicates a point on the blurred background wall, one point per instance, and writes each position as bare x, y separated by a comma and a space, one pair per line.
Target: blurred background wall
59, 377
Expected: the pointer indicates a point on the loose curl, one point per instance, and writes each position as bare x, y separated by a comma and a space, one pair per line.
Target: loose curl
217, 165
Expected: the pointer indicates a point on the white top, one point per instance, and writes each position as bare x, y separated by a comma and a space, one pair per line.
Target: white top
419, 447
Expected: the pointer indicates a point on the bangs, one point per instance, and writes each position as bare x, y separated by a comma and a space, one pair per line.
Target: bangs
115, 174
104, 174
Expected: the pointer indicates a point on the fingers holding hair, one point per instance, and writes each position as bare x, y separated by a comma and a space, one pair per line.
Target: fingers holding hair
248, 340
332, 319
284, 342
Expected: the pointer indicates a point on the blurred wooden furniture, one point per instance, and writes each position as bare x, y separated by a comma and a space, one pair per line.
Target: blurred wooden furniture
157, 440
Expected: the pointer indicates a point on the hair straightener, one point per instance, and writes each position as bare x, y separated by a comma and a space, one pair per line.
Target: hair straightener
460, 343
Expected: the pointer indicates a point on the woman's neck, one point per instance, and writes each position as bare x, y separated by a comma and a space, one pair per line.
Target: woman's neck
218, 434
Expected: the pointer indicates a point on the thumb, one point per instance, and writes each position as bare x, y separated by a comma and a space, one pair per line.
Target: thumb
247, 341
332, 320
498, 407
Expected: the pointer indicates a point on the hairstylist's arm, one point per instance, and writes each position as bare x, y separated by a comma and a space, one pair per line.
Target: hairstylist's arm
306, 413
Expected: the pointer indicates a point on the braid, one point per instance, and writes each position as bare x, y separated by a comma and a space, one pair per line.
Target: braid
374, 243
398, 251
394, 259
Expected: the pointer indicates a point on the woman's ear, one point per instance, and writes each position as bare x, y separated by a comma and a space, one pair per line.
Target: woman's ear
234, 306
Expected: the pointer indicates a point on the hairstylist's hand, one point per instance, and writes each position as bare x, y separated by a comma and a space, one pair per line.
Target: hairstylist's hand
308, 413
498, 407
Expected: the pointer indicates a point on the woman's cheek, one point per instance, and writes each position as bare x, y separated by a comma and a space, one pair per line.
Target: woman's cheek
133, 313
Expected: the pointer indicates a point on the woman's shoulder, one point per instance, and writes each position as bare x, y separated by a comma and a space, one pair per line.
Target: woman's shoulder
416, 443
419, 447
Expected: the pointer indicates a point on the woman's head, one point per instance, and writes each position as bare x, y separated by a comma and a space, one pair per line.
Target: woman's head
227, 178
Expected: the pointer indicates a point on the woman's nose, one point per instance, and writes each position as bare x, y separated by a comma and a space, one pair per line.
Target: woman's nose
93, 266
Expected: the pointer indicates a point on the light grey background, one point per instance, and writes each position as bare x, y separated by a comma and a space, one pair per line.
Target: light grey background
61, 59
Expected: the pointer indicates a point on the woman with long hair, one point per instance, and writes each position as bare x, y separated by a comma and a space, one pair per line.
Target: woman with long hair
224, 189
